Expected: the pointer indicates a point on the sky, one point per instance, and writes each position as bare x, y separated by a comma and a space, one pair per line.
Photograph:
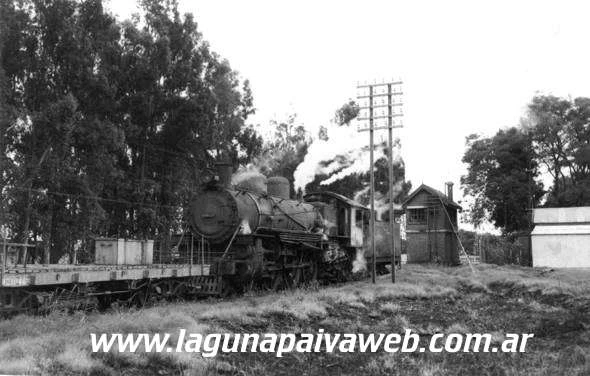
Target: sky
467, 66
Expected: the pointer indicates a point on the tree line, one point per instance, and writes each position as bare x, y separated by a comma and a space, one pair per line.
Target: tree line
106, 124
504, 171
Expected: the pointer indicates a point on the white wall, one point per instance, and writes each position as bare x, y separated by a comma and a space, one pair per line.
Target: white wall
561, 251
561, 237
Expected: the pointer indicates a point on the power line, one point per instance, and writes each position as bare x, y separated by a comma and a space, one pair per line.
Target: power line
125, 202
129, 203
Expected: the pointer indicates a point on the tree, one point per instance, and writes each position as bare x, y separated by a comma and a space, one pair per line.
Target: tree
5, 122
323, 133
50, 60
286, 150
560, 129
468, 240
501, 173
347, 113
108, 123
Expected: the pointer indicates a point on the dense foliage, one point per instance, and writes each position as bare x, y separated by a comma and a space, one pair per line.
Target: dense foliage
281, 155
503, 171
500, 178
560, 129
105, 124
347, 113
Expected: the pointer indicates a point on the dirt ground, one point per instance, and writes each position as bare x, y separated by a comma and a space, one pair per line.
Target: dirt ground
552, 304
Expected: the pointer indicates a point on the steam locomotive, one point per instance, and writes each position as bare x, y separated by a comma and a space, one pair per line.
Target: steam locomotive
244, 236
266, 239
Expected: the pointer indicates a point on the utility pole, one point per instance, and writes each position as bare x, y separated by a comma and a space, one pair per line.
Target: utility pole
391, 216
372, 190
376, 102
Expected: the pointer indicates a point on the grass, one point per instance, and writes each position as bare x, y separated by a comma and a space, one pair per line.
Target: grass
553, 304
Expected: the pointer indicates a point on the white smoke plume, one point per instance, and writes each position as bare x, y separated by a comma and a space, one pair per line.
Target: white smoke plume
340, 142
245, 227
249, 178
360, 262
359, 194
338, 156
355, 161
382, 200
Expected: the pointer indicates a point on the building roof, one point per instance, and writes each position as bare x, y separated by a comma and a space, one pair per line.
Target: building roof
339, 197
433, 192
566, 229
580, 214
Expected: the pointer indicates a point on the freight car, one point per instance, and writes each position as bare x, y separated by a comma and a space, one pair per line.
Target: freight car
33, 287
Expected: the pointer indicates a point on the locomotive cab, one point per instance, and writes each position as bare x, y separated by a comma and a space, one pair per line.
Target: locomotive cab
344, 218
347, 221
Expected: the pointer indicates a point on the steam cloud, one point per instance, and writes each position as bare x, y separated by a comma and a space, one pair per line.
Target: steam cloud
337, 148
338, 156
360, 262
249, 178
381, 200
355, 161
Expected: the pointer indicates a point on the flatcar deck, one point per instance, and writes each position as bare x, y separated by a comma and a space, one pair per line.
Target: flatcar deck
57, 274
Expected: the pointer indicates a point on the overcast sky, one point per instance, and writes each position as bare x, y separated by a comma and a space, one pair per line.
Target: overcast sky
468, 67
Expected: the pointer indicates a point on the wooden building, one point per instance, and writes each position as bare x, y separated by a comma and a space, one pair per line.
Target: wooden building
430, 235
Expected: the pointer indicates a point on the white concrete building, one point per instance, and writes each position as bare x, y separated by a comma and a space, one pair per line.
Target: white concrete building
561, 237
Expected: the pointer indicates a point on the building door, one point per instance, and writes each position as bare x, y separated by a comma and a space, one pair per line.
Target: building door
342, 221
432, 230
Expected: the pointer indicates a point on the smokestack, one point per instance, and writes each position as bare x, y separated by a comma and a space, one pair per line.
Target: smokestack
224, 172
449, 192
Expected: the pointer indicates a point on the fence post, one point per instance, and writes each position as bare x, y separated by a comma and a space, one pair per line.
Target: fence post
3, 260
192, 247
25, 253
203, 256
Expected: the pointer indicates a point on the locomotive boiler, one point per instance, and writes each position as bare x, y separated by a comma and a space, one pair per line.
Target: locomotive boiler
220, 212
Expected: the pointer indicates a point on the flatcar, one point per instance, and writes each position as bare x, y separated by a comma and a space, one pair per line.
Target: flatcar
33, 287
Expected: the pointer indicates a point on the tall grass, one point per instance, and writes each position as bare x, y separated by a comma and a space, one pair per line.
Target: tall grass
60, 343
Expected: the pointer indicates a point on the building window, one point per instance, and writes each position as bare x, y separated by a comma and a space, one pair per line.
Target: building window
416, 216
453, 215
359, 220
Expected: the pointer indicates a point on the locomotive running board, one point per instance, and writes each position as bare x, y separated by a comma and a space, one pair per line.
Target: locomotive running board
302, 244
